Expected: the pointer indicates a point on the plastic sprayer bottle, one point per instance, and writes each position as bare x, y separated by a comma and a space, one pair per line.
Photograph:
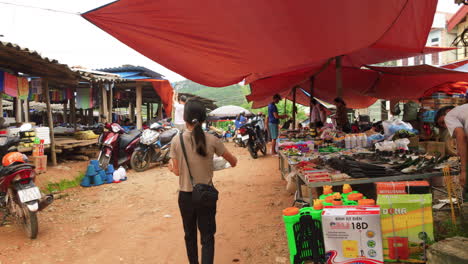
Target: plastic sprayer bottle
364, 140
318, 208
358, 141
327, 191
353, 141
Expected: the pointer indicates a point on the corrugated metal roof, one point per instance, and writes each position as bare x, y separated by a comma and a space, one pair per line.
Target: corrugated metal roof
142, 71
18, 59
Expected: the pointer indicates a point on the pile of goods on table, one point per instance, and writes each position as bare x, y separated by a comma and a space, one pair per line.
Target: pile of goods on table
347, 227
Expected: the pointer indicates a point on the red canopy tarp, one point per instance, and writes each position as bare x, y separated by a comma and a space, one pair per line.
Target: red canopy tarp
362, 86
356, 82
219, 43
165, 91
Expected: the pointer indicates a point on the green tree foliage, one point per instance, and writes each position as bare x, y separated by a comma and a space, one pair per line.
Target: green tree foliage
235, 95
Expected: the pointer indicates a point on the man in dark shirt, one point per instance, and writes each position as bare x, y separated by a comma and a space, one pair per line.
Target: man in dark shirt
273, 121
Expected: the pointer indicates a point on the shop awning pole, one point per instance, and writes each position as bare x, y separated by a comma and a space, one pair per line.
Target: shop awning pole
53, 154
139, 90
339, 76
311, 99
294, 108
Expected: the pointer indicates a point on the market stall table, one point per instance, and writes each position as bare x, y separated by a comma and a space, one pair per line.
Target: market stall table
65, 143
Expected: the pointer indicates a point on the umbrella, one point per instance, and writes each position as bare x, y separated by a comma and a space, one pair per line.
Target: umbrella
229, 111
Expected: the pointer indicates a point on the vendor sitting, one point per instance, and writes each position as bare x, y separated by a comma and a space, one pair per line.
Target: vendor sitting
455, 119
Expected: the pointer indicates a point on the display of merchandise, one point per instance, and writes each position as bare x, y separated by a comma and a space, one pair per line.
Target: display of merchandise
304, 234
407, 226
352, 234
43, 133
404, 187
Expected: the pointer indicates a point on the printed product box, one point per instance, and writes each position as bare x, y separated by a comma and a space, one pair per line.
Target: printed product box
352, 234
403, 187
407, 226
40, 162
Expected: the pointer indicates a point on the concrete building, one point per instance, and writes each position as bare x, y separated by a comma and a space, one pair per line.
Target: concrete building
458, 27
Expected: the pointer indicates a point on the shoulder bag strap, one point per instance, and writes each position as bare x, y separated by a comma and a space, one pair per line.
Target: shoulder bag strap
185, 154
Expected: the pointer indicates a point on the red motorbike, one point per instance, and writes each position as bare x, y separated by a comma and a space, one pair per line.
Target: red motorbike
117, 145
19, 196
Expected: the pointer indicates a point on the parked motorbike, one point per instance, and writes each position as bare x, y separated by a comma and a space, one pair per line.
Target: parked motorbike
154, 146
117, 146
253, 133
240, 140
19, 196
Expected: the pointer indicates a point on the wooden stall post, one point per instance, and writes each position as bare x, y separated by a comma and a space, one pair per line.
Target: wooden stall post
104, 102
73, 110
1, 104
131, 111
139, 91
311, 99
65, 112
339, 76
53, 154
148, 112
19, 111
294, 108
90, 117
160, 113
26, 110
111, 101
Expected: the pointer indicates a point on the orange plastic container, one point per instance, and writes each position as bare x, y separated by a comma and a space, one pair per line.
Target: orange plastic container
290, 211
355, 196
366, 202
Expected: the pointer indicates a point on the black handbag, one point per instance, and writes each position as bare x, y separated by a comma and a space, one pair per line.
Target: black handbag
203, 195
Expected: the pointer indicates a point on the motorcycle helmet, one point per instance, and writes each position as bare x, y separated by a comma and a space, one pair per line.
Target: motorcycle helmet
13, 157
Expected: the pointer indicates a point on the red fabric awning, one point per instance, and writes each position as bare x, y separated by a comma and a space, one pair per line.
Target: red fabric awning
356, 81
219, 43
165, 91
455, 64
362, 86
412, 82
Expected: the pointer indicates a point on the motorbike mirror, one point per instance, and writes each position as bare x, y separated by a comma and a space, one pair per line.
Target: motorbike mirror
25, 127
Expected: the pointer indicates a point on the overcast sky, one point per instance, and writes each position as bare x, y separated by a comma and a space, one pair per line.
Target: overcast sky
72, 40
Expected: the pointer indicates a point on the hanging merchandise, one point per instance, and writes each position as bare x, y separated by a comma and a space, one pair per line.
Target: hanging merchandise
11, 85
84, 98
2, 77
69, 94
23, 88
36, 86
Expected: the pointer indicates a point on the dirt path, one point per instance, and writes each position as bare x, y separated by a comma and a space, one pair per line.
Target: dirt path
138, 221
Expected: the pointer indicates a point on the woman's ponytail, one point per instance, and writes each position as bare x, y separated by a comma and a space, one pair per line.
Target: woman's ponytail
200, 140
195, 114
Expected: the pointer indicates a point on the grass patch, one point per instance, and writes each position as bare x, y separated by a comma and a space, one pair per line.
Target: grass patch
63, 184
447, 229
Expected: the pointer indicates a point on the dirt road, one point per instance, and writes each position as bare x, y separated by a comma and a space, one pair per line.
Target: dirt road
138, 221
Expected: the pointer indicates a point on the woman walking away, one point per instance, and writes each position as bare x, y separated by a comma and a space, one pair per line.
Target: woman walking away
192, 160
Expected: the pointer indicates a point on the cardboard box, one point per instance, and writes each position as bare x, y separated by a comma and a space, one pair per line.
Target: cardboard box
407, 226
403, 187
40, 162
352, 234
432, 147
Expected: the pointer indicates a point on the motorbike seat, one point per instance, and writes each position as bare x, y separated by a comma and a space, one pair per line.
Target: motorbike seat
166, 136
125, 139
8, 170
